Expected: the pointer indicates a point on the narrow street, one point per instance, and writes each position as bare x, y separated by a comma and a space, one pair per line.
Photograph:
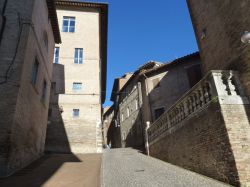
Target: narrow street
128, 168
114, 168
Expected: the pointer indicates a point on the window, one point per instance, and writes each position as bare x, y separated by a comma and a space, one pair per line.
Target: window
128, 112
56, 55
34, 72
68, 24
159, 112
122, 117
77, 86
78, 56
156, 83
76, 112
44, 91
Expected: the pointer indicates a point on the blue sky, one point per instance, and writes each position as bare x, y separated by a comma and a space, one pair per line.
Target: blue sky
144, 30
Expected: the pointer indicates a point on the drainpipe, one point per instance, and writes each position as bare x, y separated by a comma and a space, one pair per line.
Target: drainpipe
146, 136
149, 100
3, 20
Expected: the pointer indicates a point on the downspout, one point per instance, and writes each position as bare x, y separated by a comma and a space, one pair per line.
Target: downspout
149, 100
3, 20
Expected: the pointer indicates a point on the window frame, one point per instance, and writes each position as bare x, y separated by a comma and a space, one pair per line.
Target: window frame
67, 28
76, 111
75, 86
56, 58
78, 56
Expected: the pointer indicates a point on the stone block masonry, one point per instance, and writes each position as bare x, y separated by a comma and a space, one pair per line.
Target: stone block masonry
207, 131
219, 26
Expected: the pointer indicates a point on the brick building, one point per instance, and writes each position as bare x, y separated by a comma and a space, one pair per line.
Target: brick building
28, 33
207, 130
76, 105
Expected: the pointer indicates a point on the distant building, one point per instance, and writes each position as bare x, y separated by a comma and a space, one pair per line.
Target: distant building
28, 33
75, 120
149, 92
114, 133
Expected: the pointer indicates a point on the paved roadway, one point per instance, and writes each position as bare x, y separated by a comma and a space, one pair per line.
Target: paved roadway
128, 168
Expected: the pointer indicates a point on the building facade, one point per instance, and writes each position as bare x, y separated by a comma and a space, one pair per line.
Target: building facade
149, 92
83, 53
29, 31
207, 130
114, 132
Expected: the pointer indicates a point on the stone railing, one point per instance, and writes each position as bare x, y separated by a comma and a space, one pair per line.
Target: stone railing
217, 86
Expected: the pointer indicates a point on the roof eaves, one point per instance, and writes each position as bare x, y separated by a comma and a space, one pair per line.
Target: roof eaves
54, 21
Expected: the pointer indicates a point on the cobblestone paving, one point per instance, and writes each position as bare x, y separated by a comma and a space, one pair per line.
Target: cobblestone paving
128, 168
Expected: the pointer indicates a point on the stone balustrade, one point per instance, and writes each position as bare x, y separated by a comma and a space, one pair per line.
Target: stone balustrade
217, 86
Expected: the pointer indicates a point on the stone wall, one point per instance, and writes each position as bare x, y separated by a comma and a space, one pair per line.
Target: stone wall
201, 145
207, 130
219, 26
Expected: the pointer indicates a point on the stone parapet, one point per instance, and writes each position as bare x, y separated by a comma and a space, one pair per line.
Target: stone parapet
218, 85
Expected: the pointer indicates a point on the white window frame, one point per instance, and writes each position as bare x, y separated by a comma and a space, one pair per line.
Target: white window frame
67, 28
78, 56
56, 57
75, 86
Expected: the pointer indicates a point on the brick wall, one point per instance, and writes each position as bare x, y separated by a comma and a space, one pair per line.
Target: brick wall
219, 26
23, 113
216, 146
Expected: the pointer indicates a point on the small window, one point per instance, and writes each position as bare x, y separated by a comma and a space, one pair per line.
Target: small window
156, 83
159, 112
68, 24
136, 104
44, 91
122, 117
128, 112
76, 112
56, 55
35, 72
78, 56
77, 86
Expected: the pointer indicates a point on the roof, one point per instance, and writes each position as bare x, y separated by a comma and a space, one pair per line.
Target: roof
145, 67
54, 21
173, 63
103, 7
